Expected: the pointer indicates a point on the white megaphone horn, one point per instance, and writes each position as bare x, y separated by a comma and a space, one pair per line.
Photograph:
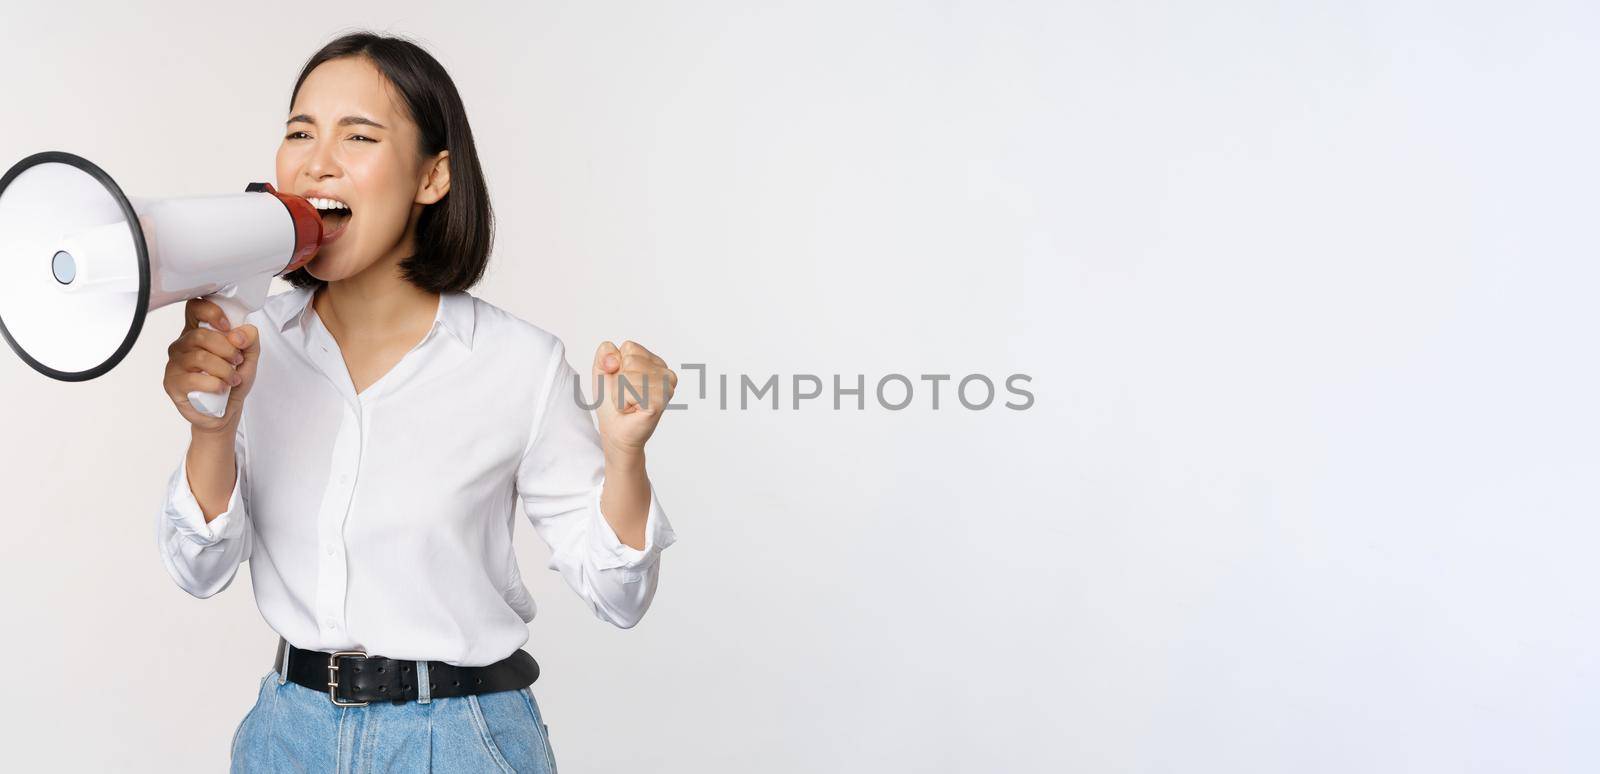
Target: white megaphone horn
83, 263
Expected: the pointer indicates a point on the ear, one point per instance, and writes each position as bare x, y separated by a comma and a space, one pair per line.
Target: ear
435, 179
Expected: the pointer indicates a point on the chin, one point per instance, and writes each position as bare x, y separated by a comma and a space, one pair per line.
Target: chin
330, 269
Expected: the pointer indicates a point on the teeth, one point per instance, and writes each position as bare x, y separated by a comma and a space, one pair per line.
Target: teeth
327, 204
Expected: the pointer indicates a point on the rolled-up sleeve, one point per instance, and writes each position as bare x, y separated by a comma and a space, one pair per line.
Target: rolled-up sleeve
203, 558
559, 479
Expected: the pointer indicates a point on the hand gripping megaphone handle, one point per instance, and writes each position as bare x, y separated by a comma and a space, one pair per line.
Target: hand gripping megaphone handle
247, 295
237, 301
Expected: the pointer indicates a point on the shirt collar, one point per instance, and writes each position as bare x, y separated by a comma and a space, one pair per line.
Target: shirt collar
457, 313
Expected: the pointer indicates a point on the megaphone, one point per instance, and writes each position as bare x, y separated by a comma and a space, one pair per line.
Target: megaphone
82, 263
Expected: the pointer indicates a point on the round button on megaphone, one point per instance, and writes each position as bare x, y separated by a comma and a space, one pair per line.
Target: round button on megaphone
83, 263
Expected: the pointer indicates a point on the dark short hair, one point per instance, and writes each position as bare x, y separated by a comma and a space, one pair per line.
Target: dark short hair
454, 234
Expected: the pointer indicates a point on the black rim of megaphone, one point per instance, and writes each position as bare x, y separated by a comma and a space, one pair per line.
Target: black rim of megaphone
137, 324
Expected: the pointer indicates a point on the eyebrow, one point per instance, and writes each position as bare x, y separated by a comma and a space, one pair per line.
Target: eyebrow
346, 121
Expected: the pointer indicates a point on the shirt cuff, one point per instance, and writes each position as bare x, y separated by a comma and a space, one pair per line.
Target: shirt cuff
185, 515
608, 551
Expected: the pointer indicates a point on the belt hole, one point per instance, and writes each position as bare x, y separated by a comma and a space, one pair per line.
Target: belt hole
457, 683
480, 681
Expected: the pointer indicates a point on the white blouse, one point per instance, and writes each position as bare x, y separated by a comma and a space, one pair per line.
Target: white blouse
383, 521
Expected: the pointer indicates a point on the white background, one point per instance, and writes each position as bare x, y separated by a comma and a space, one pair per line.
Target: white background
1307, 292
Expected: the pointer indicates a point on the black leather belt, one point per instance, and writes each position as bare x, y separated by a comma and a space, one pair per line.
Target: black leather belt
352, 678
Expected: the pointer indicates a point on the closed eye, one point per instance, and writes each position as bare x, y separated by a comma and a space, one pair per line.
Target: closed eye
303, 136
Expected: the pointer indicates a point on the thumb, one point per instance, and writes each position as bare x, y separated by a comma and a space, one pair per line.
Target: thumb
246, 338
607, 359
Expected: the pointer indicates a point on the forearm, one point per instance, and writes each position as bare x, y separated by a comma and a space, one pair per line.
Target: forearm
212, 470
625, 498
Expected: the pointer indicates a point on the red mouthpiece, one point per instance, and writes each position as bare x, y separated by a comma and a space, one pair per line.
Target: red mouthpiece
307, 225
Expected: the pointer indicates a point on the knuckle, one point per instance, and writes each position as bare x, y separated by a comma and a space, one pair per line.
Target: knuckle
219, 343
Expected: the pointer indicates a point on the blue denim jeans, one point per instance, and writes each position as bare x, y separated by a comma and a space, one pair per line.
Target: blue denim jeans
293, 728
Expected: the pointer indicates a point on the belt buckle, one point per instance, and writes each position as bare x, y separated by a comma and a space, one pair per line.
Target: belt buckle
333, 677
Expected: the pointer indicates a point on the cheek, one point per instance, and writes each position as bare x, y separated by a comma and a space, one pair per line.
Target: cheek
287, 163
371, 174
384, 192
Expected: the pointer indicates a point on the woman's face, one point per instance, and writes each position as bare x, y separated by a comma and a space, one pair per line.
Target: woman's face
350, 138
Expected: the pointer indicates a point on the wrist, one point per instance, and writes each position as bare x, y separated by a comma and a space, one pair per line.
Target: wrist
225, 432
624, 459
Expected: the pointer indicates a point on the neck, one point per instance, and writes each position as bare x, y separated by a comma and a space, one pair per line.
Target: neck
375, 305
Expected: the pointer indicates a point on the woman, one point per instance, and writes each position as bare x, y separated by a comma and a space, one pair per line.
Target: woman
395, 426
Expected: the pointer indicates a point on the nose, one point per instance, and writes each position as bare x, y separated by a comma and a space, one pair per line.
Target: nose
322, 163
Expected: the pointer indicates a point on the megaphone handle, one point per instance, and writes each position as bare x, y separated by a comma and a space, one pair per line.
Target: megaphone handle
215, 404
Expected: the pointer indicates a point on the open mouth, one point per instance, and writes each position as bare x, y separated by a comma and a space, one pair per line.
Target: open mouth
335, 216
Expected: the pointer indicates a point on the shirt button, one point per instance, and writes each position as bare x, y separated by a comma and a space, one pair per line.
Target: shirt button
344, 478
328, 623
330, 550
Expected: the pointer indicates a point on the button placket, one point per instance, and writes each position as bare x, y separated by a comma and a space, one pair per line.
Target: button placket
332, 584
